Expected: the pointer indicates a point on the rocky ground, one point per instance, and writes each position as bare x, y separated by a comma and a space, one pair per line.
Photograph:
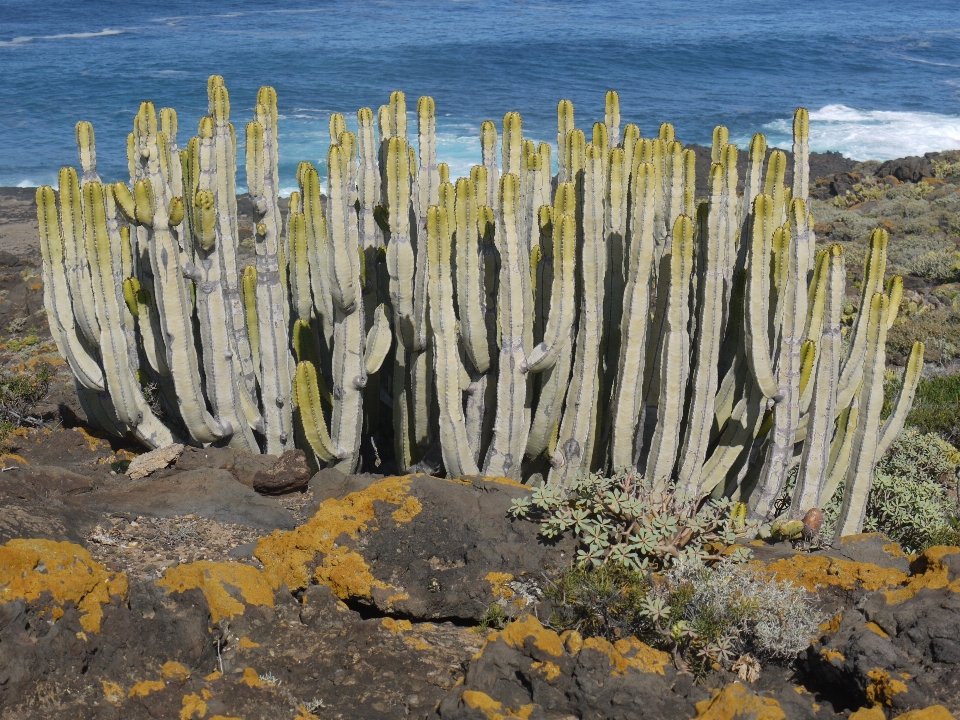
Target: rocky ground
228, 585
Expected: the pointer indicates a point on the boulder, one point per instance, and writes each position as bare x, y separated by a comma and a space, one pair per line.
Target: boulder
212, 494
907, 169
290, 473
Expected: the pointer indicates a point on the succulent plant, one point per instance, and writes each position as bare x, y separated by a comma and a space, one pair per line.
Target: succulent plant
509, 322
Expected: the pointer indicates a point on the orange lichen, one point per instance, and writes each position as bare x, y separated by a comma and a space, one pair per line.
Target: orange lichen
832, 625
396, 626
934, 712
417, 643
286, 555
305, 714
94, 438
252, 678
246, 643
572, 641
174, 670
145, 687
883, 688
212, 578
629, 653
408, 510
112, 693
929, 571
506, 481
192, 705
215, 675
11, 460
498, 582
28, 568
735, 701
815, 571
832, 655
516, 633
477, 700
872, 626
550, 670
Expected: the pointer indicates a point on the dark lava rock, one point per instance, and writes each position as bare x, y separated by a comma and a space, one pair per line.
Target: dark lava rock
908, 169
32, 504
242, 464
874, 548
900, 647
212, 494
289, 474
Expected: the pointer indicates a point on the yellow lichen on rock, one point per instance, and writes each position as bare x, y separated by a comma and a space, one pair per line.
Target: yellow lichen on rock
550, 670
251, 678
192, 706
934, 712
286, 555
29, 568
527, 626
816, 571
498, 584
737, 702
145, 687
172, 670
212, 578
408, 510
883, 688
929, 571
112, 693
873, 627
629, 653
396, 626
246, 643
832, 655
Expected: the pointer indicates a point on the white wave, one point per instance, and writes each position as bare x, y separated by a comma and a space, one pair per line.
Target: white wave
869, 134
27, 184
17, 41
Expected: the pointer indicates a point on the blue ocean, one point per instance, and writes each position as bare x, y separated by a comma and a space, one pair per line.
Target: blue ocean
880, 77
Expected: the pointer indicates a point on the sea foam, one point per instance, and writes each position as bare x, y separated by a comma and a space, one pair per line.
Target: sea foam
870, 134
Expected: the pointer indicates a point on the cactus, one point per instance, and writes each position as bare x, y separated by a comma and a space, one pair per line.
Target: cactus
618, 345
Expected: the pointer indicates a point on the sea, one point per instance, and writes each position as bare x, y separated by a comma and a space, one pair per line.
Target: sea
881, 78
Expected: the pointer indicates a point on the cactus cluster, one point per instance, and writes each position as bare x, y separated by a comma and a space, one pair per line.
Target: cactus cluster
513, 322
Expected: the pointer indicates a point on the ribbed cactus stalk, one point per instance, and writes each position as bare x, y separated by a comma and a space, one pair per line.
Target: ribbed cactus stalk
514, 309
863, 454
564, 127
578, 429
814, 462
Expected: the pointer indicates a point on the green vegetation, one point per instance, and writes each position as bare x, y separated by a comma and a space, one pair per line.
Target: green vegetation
704, 616
625, 520
19, 395
938, 329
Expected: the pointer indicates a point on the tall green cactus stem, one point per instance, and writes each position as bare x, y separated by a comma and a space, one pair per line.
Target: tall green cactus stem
563, 291
627, 395
172, 289
106, 272
309, 406
315, 225
753, 182
851, 372
514, 307
863, 455
758, 294
611, 116
904, 400
705, 378
349, 371
578, 428
473, 331
559, 335
801, 154
224, 384
792, 302
675, 350
56, 291
814, 461
488, 150
428, 193
74, 256
565, 125
276, 371
457, 456
512, 148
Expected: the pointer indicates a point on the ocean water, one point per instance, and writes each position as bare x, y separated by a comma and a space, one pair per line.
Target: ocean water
881, 78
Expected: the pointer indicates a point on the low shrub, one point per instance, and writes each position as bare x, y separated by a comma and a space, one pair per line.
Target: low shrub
19, 395
938, 329
936, 407
938, 266
703, 615
624, 520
